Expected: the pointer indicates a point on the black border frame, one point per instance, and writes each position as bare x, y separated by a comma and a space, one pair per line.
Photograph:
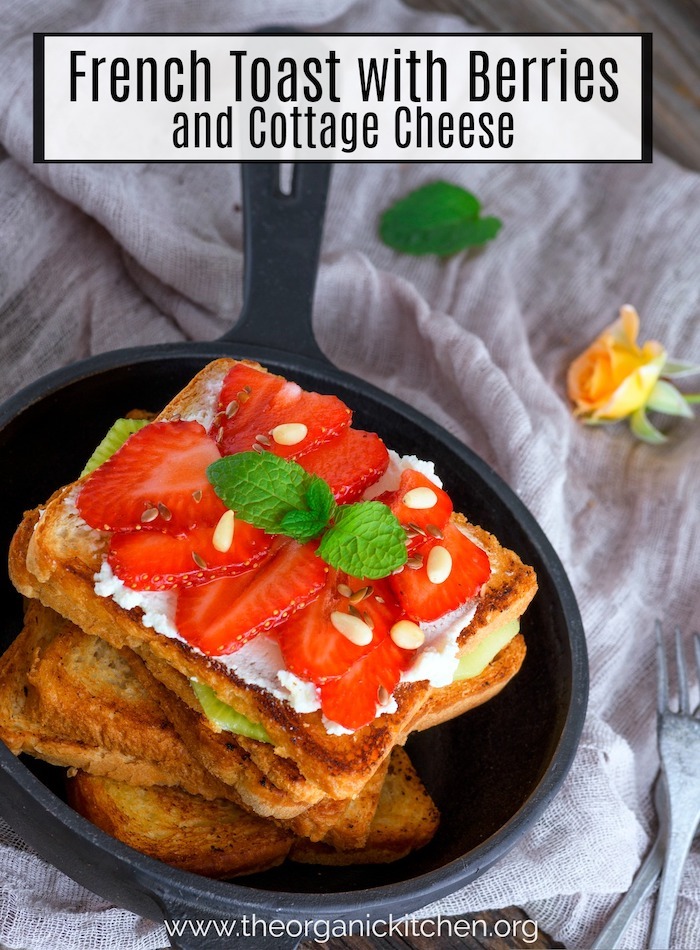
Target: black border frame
646, 144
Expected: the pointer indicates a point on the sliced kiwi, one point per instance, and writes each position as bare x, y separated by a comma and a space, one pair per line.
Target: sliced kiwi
476, 661
226, 717
115, 438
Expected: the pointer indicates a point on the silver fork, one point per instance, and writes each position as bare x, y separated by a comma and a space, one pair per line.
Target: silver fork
679, 751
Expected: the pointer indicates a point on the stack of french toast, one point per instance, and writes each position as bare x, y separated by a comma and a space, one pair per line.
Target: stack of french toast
234, 619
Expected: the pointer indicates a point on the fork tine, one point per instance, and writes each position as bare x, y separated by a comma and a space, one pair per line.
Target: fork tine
661, 674
683, 697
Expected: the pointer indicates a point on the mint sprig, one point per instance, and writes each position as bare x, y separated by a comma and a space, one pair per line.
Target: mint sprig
363, 539
307, 523
366, 540
438, 218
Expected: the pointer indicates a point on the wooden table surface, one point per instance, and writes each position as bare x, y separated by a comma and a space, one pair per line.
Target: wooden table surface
675, 25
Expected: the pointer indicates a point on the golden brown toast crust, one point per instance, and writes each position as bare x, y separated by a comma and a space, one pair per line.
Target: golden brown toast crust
51, 560
75, 701
130, 742
340, 765
221, 840
405, 819
224, 751
216, 838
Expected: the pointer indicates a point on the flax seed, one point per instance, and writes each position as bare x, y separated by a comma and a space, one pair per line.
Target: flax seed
361, 595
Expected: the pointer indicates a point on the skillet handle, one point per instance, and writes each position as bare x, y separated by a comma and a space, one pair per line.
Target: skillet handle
282, 241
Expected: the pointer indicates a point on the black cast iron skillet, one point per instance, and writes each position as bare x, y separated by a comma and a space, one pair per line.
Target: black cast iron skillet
492, 772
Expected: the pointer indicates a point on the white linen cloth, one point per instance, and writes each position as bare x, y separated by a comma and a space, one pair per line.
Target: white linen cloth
100, 256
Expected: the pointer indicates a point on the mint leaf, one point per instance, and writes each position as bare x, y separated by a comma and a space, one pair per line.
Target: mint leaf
305, 525
260, 487
365, 541
439, 218
320, 500
277, 495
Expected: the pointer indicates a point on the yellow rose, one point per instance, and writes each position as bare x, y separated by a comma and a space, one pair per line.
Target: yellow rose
615, 377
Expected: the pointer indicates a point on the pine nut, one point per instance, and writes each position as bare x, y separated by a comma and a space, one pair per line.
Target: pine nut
383, 696
353, 628
439, 565
223, 533
420, 498
407, 635
290, 433
344, 590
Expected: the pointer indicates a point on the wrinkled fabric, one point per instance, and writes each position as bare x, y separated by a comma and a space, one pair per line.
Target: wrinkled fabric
101, 256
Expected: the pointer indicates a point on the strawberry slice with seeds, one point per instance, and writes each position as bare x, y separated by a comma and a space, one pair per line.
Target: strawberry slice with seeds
424, 524
351, 699
314, 649
421, 598
349, 462
155, 560
260, 409
156, 480
221, 616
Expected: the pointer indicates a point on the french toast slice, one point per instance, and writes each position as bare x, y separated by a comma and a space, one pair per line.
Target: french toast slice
75, 701
129, 741
214, 838
405, 820
55, 557
218, 839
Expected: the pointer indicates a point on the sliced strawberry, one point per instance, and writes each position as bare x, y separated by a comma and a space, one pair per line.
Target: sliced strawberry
160, 471
221, 616
427, 520
349, 462
351, 699
155, 560
314, 649
421, 599
253, 403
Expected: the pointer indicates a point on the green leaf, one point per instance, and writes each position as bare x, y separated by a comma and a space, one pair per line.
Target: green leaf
320, 500
277, 495
666, 398
439, 218
365, 541
644, 430
677, 368
302, 525
260, 487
